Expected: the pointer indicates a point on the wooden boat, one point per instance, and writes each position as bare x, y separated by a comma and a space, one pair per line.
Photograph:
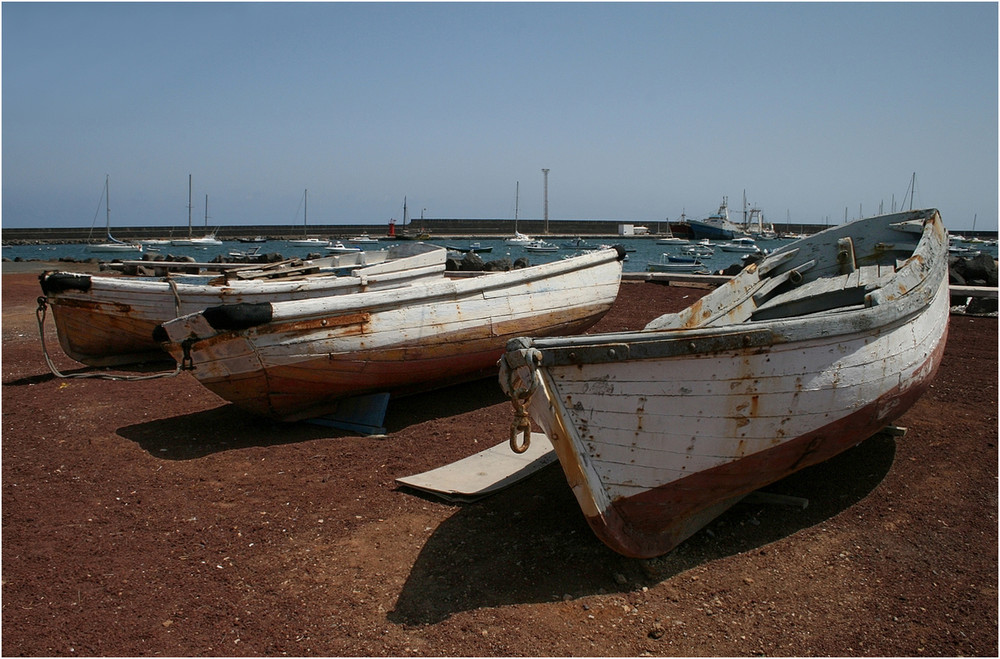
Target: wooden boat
295, 360
795, 359
109, 321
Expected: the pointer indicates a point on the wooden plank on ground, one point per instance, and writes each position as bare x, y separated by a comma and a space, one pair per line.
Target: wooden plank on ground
485, 472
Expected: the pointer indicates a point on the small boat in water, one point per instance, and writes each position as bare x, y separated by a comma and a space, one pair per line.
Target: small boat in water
518, 238
363, 239
294, 360
540, 246
309, 242
740, 245
670, 238
340, 248
477, 248
671, 263
578, 243
112, 245
109, 321
208, 240
797, 358
306, 240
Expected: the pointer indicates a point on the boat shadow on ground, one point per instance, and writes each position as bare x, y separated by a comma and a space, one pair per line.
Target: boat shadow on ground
531, 544
228, 428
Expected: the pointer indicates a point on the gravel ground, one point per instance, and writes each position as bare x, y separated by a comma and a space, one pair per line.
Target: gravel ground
153, 518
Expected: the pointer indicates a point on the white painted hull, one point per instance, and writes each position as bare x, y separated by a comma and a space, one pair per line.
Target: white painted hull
196, 242
304, 356
114, 248
109, 321
659, 431
309, 242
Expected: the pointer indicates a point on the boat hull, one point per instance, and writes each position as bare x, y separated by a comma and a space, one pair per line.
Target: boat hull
660, 431
109, 321
309, 356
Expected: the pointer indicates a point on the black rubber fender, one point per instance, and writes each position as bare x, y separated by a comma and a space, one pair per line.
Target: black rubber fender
240, 316
58, 282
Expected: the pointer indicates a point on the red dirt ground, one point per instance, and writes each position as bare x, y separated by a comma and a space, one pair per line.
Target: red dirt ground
153, 518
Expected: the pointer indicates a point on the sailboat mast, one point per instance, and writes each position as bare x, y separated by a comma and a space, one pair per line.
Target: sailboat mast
517, 198
305, 213
107, 203
913, 188
206, 212
190, 234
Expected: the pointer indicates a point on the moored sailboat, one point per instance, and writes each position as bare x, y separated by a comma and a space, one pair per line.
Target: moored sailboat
207, 240
112, 244
306, 240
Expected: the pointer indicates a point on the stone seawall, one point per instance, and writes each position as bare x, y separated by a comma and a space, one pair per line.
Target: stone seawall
434, 227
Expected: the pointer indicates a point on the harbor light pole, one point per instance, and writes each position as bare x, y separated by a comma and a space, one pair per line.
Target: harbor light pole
545, 174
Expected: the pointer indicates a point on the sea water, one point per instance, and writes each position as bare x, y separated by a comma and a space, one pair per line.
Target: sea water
640, 251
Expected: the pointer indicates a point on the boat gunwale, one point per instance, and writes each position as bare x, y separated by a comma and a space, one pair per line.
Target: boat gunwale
421, 292
656, 343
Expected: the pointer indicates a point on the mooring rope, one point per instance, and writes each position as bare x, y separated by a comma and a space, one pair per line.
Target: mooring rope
40, 316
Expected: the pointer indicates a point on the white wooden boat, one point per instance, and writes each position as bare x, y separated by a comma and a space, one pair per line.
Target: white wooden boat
295, 360
794, 360
109, 321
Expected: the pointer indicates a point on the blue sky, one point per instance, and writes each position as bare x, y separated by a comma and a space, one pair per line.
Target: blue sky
640, 111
